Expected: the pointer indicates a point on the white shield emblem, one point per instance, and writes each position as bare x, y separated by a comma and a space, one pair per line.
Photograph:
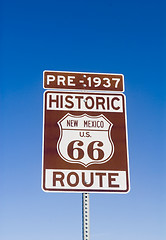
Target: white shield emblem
85, 139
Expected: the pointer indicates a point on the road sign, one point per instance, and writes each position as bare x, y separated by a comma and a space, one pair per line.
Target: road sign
88, 81
85, 142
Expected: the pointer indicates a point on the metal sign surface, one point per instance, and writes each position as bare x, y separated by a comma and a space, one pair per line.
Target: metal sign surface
79, 80
85, 142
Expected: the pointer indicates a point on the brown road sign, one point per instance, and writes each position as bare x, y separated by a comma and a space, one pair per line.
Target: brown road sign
79, 80
85, 142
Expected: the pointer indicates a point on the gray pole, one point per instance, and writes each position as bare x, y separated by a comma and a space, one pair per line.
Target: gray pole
85, 217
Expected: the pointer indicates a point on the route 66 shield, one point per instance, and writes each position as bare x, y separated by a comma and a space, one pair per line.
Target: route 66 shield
85, 139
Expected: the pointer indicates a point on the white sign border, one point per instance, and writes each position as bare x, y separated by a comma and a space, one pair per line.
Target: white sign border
127, 149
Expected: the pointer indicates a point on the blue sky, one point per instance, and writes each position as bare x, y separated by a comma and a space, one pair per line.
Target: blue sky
106, 36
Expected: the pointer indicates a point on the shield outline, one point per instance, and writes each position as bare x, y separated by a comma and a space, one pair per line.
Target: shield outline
80, 116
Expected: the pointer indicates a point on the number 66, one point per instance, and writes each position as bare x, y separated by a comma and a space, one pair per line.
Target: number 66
76, 152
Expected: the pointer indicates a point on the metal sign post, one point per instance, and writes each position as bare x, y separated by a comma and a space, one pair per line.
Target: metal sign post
85, 217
